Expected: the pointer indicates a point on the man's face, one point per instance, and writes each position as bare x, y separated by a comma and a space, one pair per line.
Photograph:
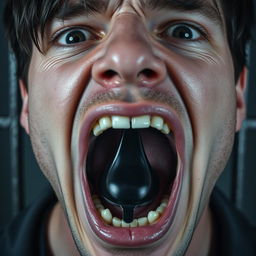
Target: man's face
167, 61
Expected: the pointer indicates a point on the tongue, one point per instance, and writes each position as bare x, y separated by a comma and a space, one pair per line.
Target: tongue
130, 181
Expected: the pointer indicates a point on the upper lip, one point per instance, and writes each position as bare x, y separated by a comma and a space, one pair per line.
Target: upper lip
139, 236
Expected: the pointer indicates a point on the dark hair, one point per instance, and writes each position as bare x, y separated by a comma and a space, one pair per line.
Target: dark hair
23, 20
239, 17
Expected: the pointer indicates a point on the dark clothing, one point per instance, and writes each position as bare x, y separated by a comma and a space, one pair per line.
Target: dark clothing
235, 237
26, 235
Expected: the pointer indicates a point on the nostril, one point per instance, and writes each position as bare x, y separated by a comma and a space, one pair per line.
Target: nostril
148, 75
109, 78
109, 74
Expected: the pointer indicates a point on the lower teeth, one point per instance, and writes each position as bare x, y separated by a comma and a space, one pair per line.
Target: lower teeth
152, 217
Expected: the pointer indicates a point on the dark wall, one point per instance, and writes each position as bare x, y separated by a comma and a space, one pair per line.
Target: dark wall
5, 179
20, 178
20, 183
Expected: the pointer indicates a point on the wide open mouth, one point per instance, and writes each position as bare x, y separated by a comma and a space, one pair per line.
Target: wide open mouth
152, 219
161, 154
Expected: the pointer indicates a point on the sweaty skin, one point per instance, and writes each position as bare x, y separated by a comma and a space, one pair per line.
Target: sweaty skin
131, 56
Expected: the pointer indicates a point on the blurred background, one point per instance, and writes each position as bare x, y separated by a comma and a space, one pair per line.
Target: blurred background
21, 180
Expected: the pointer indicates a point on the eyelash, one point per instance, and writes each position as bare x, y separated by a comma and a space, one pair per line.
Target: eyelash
57, 36
199, 29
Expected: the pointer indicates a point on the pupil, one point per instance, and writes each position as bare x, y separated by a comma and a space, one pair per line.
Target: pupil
75, 37
183, 32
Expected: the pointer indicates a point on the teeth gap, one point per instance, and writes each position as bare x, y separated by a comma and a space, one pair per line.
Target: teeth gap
123, 122
151, 218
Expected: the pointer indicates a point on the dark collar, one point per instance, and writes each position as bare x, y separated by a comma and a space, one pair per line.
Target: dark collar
234, 235
26, 234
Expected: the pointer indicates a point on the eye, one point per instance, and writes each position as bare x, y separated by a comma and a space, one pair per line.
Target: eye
183, 32
75, 36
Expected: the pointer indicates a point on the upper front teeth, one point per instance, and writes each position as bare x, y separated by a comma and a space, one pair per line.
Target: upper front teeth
157, 122
105, 123
140, 122
123, 122
120, 122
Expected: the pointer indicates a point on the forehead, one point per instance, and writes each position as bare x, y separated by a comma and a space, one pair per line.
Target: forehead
147, 3
209, 8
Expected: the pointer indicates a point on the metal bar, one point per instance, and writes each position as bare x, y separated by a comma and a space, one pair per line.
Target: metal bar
4, 122
14, 137
248, 124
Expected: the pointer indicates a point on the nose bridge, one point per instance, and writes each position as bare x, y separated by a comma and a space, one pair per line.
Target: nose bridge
128, 55
128, 40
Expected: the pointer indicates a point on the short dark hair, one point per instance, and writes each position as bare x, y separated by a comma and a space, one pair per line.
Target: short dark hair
23, 19
240, 20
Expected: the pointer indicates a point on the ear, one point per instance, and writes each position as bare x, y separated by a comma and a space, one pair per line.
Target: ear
24, 109
240, 98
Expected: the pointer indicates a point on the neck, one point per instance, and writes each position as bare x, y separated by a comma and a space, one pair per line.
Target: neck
60, 240
202, 240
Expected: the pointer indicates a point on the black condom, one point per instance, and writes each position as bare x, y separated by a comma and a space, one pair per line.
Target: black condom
129, 181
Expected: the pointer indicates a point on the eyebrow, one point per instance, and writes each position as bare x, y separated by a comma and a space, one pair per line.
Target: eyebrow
86, 7
83, 7
203, 7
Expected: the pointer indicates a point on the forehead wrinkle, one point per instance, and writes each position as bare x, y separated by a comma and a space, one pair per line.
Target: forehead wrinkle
70, 8
139, 8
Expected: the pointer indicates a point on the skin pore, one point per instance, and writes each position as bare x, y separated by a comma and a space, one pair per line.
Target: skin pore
109, 66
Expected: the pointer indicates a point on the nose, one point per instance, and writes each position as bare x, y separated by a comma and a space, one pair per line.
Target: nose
128, 57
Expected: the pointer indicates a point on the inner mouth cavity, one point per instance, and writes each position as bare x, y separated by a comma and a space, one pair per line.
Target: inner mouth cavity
131, 169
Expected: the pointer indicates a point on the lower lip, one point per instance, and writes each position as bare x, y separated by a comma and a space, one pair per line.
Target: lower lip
131, 237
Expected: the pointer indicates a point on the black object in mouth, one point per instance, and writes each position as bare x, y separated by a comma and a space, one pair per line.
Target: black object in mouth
129, 181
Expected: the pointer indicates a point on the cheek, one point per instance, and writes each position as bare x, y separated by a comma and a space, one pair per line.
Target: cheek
213, 109
214, 121
53, 98
209, 94
55, 94
210, 98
